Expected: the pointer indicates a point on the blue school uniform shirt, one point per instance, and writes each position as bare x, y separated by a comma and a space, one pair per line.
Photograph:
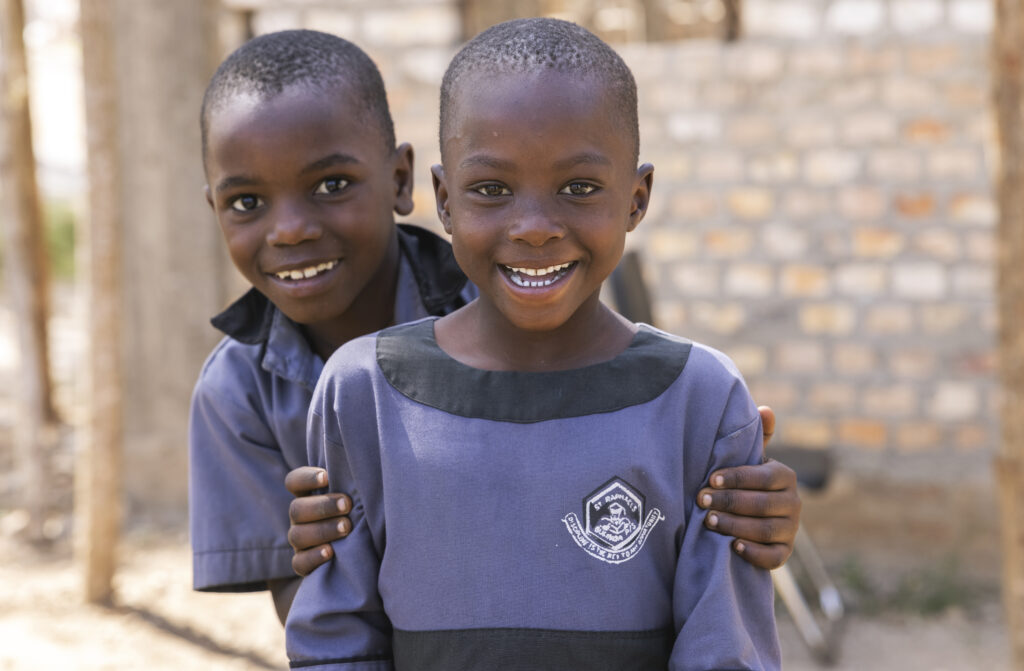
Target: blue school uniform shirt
247, 426
535, 521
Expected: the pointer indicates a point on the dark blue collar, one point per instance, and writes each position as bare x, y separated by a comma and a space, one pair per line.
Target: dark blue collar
412, 362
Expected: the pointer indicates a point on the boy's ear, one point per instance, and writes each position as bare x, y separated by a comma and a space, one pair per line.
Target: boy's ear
209, 197
441, 197
403, 179
641, 194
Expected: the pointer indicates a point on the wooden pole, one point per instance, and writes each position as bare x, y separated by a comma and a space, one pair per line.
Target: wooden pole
732, 24
175, 265
27, 267
98, 480
1008, 96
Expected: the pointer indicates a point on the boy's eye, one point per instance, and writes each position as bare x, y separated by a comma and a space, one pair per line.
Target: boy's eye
245, 203
493, 190
331, 185
579, 189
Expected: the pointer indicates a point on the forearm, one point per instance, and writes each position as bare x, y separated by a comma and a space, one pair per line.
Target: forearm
283, 592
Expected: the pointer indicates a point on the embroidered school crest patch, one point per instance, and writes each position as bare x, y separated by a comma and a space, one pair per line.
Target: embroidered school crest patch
614, 526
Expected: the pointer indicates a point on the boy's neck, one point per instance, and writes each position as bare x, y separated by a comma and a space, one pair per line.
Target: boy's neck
372, 310
477, 336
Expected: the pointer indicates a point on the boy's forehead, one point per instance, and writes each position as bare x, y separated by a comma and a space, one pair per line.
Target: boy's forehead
298, 126
551, 121
547, 94
532, 81
305, 108
254, 103
553, 91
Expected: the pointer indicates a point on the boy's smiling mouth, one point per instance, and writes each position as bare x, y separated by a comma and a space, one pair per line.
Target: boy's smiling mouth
305, 273
537, 277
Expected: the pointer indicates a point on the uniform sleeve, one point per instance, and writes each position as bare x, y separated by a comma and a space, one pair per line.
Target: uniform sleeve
723, 606
238, 505
337, 620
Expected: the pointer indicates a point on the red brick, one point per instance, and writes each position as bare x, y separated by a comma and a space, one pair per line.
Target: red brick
915, 205
926, 131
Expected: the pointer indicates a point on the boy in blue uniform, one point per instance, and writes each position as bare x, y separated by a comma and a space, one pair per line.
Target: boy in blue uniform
304, 176
524, 470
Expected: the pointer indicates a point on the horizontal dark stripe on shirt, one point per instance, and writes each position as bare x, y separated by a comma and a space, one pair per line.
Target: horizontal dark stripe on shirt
532, 650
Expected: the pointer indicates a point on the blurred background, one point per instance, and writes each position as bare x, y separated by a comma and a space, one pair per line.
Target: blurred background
833, 201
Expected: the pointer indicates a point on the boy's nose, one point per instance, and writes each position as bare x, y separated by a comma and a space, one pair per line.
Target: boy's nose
293, 224
535, 225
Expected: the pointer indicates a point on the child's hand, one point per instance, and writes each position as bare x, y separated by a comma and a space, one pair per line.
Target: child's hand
317, 519
759, 505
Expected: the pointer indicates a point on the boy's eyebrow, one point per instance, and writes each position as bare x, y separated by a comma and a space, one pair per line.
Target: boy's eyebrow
485, 162
234, 182
330, 160
582, 158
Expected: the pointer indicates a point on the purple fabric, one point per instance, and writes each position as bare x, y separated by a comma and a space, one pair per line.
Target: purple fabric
466, 523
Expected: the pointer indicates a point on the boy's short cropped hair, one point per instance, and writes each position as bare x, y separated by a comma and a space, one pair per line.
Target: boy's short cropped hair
268, 64
530, 45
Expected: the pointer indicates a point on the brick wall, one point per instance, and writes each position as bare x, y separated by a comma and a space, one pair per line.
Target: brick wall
824, 216
822, 210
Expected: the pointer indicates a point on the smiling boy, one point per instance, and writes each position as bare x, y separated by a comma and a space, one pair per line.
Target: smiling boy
305, 178
524, 470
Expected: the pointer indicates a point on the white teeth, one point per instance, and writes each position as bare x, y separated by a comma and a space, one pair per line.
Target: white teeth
551, 274
534, 272
304, 273
519, 281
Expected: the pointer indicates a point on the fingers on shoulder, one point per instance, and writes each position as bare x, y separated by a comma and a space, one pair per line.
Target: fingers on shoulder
768, 557
767, 420
319, 507
304, 561
770, 476
307, 536
305, 480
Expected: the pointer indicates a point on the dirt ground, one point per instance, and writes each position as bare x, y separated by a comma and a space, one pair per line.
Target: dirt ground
160, 624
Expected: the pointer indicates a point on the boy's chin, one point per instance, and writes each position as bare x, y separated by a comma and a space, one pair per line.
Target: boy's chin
537, 322
308, 311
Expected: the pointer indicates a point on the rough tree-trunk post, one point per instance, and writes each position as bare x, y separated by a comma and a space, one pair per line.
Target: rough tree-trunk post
98, 481
732, 24
175, 266
158, 270
27, 269
1008, 98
